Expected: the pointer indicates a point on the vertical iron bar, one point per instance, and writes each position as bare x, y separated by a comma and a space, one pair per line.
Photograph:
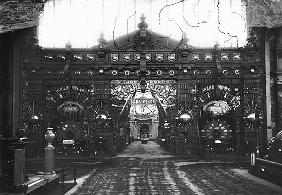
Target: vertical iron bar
74, 175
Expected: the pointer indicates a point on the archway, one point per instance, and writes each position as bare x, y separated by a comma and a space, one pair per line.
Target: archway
144, 108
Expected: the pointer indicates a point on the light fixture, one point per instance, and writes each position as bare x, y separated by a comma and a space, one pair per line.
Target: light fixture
208, 56
61, 56
126, 72
159, 57
48, 57
77, 57
195, 56
185, 118
208, 71
236, 56
159, 72
224, 56
171, 57
251, 117
114, 72
148, 57
126, 57
34, 117
101, 117
166, 125
171, 72
90, 57
137, 57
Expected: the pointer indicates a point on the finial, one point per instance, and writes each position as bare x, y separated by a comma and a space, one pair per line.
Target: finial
102, 41
216, 45
143, 18
185, 39
101, 35
143, 24
68, 45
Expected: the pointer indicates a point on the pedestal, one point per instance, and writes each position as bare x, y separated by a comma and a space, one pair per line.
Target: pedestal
19, 167
49, 160
49, 152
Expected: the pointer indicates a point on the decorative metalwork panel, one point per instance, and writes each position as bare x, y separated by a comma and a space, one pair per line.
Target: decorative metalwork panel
164, 91
215, 87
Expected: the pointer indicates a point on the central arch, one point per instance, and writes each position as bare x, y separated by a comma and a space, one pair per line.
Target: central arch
144, 108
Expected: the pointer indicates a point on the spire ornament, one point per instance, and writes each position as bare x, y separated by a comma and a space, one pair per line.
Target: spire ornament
142, 25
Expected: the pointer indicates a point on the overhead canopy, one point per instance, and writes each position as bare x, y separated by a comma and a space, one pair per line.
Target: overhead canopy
16, 15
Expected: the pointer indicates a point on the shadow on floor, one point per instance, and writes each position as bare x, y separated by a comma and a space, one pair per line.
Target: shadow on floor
56, 189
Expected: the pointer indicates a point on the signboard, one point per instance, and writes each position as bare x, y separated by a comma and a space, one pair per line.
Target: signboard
143, 101
70, 107
68, 141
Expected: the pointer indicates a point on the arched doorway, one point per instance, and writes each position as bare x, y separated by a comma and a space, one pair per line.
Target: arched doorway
145, 109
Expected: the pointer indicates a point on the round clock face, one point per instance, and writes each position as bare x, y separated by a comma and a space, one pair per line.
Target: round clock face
217, 130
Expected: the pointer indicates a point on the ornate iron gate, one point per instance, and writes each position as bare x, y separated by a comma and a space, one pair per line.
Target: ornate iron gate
220, 89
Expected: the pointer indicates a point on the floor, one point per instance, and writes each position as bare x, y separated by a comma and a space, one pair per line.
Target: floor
147, 169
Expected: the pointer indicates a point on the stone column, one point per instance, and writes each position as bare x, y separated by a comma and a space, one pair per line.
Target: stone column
267, 88
49, 152
279, 80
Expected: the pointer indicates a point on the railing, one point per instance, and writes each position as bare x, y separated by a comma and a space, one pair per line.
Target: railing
69, 172
35, 149
268, 170
270, 165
